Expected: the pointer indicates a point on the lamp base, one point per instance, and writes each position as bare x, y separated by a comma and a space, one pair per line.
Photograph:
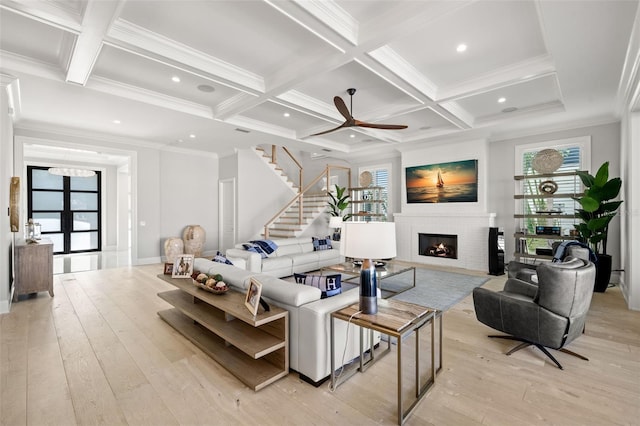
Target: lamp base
368, 288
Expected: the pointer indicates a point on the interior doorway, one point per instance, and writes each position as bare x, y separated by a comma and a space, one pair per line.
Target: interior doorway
68, 209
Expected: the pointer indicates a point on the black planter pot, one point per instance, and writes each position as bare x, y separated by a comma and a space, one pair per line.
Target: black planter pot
603, 273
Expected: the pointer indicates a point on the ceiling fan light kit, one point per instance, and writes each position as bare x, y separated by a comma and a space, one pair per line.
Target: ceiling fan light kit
352, 122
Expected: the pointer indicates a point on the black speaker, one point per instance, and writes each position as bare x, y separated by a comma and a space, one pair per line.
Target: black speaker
496, 252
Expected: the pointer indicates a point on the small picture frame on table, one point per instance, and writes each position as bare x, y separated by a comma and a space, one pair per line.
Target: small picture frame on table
183, 266
168, 268
252, 299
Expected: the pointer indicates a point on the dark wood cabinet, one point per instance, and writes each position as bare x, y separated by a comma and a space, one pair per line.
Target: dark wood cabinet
33, 268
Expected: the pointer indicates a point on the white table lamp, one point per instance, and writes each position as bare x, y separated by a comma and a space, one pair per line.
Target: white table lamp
368, 241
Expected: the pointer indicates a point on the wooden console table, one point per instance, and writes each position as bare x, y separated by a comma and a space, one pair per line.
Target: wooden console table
254, 349
395, 319
34, 268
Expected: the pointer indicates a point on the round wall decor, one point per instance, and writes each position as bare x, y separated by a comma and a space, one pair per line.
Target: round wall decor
548, 187
547, 161
365, 178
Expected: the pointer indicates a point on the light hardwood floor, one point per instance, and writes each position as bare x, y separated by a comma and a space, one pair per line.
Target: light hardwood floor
97, 353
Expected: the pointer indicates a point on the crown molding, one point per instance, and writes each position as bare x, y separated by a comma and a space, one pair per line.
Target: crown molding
49, 13
336, 18
629, 87
390, 59
310, 105
261, 126
529, 70
131, 34
135, 93
19, 63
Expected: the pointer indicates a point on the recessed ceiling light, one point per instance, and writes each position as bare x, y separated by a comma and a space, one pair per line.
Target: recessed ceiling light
502, 100
175, 79
179, 140
192, 136
461, 48
510, 109
352, 135
206, 88
286, 114
116, 121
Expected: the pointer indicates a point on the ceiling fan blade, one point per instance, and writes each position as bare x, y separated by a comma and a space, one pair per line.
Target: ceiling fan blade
345, 124
342, 108
380, 126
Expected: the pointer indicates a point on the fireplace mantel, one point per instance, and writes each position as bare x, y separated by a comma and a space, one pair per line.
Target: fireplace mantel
471, 228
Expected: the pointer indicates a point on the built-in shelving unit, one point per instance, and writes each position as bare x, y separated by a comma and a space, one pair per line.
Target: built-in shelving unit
367, 204
536, 208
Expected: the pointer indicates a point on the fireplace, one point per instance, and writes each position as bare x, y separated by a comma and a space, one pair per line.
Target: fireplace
438, 245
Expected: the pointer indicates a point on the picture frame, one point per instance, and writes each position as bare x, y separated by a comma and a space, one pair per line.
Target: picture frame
182, 266
450, 182
252, 299
168, 268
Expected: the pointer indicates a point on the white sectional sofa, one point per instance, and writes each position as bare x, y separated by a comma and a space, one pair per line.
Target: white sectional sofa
309, 318
293, 255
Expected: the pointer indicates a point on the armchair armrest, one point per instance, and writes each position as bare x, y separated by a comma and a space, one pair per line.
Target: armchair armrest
517, 286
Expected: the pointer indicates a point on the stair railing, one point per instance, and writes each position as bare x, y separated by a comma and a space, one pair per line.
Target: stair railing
298, 197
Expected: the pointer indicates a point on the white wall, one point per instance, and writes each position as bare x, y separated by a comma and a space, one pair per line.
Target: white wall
188, 187
261, 194
6, 172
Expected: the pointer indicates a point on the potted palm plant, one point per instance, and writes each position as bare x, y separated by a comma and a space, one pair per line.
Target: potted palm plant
338, 203
596, 213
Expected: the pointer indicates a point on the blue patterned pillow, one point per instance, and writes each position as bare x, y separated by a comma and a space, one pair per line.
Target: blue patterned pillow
321, 243
220, 258
267, 246
255, 248
329, 285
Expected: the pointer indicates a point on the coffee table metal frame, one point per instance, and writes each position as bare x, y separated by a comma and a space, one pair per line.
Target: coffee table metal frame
388, 270
414, 317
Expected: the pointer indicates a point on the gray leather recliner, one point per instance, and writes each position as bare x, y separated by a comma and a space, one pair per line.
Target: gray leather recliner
549, 315
527, 271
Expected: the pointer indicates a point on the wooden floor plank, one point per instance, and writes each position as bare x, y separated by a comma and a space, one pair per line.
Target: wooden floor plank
100, 338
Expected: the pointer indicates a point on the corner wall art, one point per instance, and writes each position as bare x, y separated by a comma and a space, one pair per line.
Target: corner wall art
452, 182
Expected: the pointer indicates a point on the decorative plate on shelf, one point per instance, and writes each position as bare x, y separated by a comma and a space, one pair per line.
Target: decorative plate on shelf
547, 161
366, 178
548, 187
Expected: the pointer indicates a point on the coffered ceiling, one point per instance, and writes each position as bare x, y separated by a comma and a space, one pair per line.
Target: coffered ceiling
253, 72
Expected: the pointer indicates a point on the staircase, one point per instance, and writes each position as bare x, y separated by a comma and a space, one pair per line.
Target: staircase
288, 226
273, 165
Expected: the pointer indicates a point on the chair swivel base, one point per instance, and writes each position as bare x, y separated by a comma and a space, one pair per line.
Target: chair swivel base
526, 343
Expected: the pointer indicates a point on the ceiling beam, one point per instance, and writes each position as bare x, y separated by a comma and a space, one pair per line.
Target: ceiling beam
98, 17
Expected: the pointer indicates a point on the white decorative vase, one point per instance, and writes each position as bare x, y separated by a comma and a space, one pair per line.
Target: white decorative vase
194, 237
173, 247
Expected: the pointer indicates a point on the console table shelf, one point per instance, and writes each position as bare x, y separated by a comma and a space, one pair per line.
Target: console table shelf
254, 349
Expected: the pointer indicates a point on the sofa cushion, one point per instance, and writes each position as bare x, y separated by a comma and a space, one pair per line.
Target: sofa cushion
329, 285
278, 262
305, 258
286, 292
289, 249
321, 243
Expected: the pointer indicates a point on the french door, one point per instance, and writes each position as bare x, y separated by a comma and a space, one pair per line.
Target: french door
68, 209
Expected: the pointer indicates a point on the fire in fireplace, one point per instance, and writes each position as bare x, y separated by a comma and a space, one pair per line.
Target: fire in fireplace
438, 245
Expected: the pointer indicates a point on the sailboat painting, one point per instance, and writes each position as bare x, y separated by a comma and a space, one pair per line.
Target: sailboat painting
453, 182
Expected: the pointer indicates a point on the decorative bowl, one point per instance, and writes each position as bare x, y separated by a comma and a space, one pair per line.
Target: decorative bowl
214, 290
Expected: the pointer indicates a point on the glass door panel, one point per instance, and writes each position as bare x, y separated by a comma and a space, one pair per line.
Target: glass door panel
67, 208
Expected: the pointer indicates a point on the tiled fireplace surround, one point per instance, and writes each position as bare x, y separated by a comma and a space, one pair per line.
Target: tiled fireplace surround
472, 230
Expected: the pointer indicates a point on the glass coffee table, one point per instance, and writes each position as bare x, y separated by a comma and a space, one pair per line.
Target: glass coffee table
384, 271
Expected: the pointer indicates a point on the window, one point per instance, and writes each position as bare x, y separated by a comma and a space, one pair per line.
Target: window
556, 208
380, 176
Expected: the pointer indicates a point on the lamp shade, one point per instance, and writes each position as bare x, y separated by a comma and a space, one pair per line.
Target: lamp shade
368, 240
335, 222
